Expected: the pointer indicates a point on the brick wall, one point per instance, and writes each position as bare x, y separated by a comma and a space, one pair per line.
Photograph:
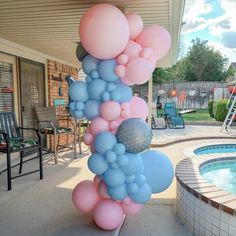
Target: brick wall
57, 72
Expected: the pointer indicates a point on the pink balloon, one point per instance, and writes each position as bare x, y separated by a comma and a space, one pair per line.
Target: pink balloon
122, 59
102, 189
113, 125
138, 108
110, 110
120, 70
139, 71
153, 61
146, 53
157, 38
125, 105
108, 214
132, 49
98, 125
88, 138
96, 180
85, 196
104, 31
131, 207
135, 25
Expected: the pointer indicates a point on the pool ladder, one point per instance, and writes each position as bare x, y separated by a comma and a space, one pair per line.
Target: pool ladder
231, 106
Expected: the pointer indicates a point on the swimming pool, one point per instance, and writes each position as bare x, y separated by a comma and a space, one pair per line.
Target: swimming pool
217, 148
222, 174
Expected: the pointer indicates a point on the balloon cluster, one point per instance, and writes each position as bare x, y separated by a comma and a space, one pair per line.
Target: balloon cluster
117, 52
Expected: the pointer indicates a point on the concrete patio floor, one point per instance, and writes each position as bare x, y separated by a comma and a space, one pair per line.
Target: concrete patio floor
44, 208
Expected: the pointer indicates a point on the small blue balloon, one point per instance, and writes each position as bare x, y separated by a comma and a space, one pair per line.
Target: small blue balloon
140, 180
119, 148
134, 164
89, 64
114, 165
122, 160
95, 74
111, 156
110, 87
97, 164
104, 142
78, 91
106, 96
142, 195
79, 106
106, 69
72, 106
91, 109
117, 193
78, 114
96, 88
88, 79
158, 170
124, 91
114, 177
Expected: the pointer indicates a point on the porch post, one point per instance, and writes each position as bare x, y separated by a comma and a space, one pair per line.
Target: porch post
150, 102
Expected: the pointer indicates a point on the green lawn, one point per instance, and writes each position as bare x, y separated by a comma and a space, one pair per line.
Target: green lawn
199, 115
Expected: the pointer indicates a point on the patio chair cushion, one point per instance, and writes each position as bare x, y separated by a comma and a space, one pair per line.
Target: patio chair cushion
59, 130
18, 143
177, 121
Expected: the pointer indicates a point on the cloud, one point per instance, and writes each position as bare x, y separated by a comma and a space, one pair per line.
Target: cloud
226, 52
229, 39
224, 24
194, 10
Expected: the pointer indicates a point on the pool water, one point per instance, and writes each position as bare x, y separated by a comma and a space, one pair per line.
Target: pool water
221, 174
219, 148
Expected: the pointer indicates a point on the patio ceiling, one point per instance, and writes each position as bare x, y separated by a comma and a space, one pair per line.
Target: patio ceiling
51, 26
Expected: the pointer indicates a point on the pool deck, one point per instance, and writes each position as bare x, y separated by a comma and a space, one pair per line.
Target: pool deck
45, 207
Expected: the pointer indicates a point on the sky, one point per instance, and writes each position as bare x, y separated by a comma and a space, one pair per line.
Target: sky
212, 20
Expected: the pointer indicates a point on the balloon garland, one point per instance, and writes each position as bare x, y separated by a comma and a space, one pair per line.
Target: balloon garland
116, 53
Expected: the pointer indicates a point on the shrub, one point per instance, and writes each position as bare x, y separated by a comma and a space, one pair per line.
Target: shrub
221, 110
210, 108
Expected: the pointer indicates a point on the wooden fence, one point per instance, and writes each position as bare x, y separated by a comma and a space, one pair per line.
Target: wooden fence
194, 94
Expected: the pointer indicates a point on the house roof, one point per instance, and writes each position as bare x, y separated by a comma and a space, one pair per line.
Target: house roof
51, 26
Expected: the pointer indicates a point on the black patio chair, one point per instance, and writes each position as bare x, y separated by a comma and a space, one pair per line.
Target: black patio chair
11, 140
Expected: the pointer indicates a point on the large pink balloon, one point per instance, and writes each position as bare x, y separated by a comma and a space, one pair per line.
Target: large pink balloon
138, 108
104, 31
139, 71
110, 110
135, 25
108, 214
99, 125
132, 50
85, 195
130, 207
157, 38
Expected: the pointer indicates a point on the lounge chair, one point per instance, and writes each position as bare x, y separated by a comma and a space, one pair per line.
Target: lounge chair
174, 120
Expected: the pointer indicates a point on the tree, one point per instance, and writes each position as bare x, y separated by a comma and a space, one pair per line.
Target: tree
203, 63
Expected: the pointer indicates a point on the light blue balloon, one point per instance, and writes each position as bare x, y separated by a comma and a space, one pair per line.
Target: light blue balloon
111, 86
122, 160
106, 69
115, 95
97, 164
140, 180
78, 114
129, 179
96, 88
134, 164
132, 188
104, 142
95, 74
124, 91
117, 193
119, 148
89, 64
79, 106
114, 177
142, 195
106, 96
114, 165
158, 170
89, 79
78, 91
72, 106
111, 156
91, 109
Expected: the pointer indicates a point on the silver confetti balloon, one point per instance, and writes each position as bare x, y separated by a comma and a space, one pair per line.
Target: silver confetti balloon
135, 134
